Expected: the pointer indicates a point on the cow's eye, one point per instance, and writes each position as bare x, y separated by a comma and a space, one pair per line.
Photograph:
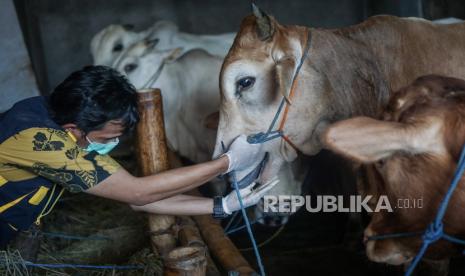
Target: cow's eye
244, 84
128, 68
118, 47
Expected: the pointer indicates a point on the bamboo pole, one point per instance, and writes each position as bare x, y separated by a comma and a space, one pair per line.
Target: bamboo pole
189, 235
221, 247
153, 158
186, 261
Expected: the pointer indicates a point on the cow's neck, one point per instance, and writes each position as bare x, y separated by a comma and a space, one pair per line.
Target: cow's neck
384, 53
355, 84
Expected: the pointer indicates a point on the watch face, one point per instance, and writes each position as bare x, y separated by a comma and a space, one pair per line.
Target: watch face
218, 211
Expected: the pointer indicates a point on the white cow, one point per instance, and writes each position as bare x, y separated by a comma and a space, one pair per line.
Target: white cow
110, 43
189, 84
447, 20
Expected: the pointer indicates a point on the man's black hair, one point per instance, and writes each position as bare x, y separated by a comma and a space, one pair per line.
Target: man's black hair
93, 96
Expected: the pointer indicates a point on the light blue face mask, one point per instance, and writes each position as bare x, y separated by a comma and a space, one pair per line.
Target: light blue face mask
101, 148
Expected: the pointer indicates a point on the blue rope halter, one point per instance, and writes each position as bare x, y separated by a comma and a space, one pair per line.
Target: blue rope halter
260, 138
435, 231
270, 134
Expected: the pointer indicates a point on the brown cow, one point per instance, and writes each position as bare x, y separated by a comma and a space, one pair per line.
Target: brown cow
410, 153
348, 72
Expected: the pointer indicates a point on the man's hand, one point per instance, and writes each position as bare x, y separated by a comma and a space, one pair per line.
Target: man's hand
249, 197
242, 154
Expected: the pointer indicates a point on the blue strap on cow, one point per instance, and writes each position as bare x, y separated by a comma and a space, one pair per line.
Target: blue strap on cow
248, 226
435, 230
235, 186
270, 134
259, 138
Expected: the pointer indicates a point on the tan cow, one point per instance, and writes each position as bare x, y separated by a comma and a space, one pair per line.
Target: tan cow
410, 153
348, 72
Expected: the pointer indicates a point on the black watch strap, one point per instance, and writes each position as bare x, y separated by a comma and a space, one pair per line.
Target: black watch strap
218, 211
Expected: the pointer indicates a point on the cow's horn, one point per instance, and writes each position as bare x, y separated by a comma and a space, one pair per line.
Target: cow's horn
264, 25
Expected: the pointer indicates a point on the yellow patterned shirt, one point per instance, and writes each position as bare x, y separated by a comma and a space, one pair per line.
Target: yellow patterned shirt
53, 154
38, 161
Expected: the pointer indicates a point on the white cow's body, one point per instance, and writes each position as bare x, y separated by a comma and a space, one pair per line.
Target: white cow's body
190, 93
190, 90
170, 37
448, 20
109, 44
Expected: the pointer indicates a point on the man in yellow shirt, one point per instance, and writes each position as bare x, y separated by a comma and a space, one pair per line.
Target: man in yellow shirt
57, 143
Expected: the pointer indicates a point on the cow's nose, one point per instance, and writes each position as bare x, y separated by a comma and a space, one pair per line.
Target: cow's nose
367, 234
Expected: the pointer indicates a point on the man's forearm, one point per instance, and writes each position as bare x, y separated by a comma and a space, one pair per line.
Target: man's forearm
179, 205
179, 191
124, 187
168, 183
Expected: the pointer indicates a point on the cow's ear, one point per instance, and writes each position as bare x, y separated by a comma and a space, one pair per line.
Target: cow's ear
174, 54
151, 44
368, 140
285, 69
212, 121
265, 24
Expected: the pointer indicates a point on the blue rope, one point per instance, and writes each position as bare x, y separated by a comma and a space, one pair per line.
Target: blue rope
262, 137
230, 222
455, 182
113, 267
236, 229
72, 237
249, 228
246, 219
259, 138
434, 231
453, 239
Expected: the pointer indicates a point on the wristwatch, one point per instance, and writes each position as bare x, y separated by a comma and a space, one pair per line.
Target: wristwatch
218, 211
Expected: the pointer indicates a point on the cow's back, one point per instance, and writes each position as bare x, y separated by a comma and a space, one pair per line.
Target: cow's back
406, 48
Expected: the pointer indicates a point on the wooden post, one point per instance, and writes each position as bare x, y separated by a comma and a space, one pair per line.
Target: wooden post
186, 261
221, 247
189, 235
153, 158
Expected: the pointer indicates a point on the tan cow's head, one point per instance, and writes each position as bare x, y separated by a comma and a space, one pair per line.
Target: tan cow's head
256, 74
409, 156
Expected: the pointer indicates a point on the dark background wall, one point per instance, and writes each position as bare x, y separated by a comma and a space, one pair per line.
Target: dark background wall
58, 32
16, 77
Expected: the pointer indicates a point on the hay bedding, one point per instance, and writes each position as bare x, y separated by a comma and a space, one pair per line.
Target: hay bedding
118, 237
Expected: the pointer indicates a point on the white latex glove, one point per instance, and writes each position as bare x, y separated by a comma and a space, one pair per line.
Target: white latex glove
242, 154
249, 197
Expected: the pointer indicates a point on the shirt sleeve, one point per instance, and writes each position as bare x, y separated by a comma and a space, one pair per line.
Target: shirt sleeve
52, 154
